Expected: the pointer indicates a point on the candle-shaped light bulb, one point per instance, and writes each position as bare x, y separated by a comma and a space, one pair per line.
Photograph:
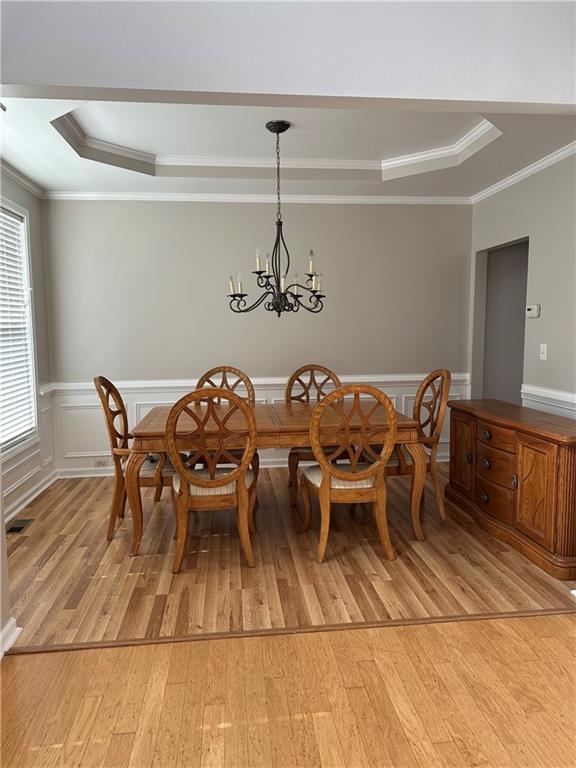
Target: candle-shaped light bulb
231, 286
282, 283
239, 283
257, 259
311, 263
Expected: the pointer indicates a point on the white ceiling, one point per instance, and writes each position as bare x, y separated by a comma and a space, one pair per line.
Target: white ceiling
226, 150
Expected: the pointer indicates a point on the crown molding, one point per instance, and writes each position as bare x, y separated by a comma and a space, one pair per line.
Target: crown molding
524, 173
10, 172
442, 157
190, 197
216, 161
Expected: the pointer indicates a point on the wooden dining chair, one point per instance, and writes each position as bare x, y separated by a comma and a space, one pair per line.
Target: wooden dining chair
231, 379
310, 382
351, 420
429, 411
212, 427
153, 474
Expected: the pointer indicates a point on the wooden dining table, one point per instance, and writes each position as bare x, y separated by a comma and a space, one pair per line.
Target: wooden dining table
279, 425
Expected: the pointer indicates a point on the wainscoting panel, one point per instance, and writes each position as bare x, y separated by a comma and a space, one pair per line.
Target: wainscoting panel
73, 440
552, 400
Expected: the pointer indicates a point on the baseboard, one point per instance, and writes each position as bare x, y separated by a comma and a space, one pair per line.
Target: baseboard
28, 497
8, 635
556, 401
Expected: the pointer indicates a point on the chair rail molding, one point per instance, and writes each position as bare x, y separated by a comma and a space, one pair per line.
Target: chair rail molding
73, 440
553, 400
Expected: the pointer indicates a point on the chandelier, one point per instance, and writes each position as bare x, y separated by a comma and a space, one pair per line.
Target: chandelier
280, 294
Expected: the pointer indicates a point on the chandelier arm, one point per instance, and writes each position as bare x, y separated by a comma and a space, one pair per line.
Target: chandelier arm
239, 304
287, 252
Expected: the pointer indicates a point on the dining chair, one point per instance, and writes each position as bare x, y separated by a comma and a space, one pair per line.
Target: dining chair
212, 427
157, 474
429, 410
310, 382
351, 420
229, 378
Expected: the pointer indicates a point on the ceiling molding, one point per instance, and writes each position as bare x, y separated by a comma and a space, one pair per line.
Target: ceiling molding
524, 173
442, 157
268, 162
20, 179
189, 197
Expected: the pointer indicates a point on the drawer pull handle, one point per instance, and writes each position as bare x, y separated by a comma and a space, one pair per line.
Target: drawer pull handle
484, 497
514, 481
486, 463
487, 434
469, 457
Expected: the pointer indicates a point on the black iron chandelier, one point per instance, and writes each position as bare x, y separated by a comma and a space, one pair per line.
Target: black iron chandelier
279, 294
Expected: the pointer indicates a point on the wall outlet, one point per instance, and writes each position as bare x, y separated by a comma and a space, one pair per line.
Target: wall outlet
543, 351
99, 462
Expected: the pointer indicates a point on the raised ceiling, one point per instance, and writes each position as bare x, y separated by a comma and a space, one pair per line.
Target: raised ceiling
126, 148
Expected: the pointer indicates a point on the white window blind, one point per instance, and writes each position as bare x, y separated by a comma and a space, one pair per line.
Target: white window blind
17, 382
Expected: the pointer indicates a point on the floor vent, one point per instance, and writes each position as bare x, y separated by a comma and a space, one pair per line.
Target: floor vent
18, 526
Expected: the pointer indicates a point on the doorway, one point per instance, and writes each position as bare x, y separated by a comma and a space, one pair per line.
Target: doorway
506, 279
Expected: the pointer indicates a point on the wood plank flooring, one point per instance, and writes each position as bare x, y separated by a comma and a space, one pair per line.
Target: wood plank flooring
69, 586
496, 694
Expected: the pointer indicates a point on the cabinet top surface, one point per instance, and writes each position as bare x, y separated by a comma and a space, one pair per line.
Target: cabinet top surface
556, 428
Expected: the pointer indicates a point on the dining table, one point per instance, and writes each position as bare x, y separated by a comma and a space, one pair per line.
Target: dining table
278, 425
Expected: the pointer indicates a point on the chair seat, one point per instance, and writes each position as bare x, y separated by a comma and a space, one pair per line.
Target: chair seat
222, 490
314, 475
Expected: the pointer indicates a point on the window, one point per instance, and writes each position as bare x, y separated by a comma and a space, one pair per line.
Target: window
18, 418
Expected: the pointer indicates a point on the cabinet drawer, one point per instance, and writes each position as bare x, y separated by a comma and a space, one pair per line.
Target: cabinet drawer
495, 465
499, 437
494, 500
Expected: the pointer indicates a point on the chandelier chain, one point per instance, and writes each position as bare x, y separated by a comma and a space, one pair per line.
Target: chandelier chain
278, 213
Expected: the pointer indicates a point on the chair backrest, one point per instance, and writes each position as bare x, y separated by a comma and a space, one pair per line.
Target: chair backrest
358, 423
114, 411
430, 405
229, 378
211, 426
311, 382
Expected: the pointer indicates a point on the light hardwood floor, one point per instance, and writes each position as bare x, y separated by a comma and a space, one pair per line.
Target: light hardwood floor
491, 693
70, 586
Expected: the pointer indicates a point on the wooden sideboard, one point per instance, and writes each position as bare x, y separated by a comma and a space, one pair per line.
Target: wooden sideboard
514, 470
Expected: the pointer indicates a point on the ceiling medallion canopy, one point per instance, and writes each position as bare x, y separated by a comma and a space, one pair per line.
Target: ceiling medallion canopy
280, 294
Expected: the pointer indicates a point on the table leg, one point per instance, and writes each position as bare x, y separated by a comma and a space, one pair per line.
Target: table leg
418, 456
131, 477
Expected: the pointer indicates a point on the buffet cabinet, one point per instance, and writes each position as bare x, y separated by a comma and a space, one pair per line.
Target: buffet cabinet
514, 470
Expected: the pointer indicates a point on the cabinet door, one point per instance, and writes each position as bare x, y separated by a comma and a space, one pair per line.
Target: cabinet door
462, 439
535, 498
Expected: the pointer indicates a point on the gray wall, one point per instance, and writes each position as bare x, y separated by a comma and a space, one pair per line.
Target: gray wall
138, 289
505, 322
542, 208
17, 194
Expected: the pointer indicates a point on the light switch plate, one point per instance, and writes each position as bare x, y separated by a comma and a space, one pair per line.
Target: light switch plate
543, 351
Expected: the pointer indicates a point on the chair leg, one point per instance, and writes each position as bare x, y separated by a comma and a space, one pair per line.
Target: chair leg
243, 525
307, 505
255, 465
181, 510
158, 493
118, 504
324, 498
252, 504
293, 461
436, 484
382, 522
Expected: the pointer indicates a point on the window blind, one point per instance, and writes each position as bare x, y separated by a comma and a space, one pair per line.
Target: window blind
17, 384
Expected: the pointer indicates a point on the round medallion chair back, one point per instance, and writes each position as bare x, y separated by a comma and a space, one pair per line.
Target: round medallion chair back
114, 412
430, 405
352, 420
310, 382
228, 378
212, 427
